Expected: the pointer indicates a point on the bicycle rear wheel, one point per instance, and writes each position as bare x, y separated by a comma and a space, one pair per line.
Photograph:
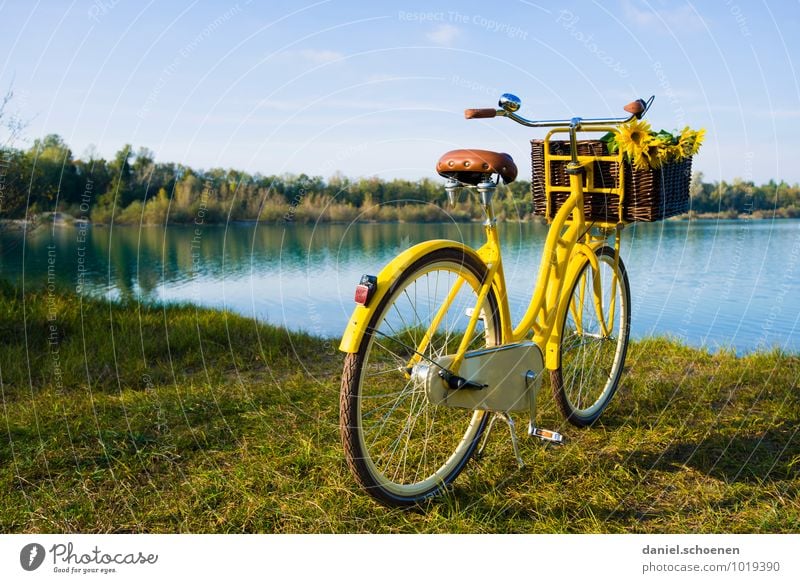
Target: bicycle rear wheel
400, 447
592, 358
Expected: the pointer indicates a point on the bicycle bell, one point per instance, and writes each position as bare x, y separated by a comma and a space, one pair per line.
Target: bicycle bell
509, 102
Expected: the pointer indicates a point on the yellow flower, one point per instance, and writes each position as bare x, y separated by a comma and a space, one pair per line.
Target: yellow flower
690, 141
685, 140
698, 141
653, 155
633, 137
640, 162
646, 149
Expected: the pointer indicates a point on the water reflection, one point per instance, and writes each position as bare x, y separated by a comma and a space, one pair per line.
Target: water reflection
714, 283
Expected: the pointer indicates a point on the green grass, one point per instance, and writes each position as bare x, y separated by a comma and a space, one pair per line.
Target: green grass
180, 419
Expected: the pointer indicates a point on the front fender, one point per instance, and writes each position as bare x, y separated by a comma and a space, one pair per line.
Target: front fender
361, 316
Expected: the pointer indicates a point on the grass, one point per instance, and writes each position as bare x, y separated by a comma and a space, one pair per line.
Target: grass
135, 418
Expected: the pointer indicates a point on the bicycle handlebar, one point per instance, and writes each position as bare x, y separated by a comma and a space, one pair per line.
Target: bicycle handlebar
510, 103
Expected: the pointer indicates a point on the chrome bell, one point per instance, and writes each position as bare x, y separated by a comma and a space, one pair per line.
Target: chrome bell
509, 102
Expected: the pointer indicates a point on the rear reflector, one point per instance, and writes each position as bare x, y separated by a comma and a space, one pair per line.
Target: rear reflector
366, 289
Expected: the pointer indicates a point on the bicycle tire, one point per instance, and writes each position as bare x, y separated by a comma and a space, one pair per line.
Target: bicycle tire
591, 364
436, 441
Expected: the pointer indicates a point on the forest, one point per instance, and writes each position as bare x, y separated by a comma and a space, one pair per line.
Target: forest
134, 188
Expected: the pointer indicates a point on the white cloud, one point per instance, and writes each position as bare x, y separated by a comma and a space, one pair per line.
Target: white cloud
321, 57
444, 34
675, 18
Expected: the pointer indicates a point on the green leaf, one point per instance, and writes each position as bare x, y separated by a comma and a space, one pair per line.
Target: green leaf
611, 142
667, 137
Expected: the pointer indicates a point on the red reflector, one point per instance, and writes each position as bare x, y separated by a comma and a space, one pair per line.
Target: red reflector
365, 289
362, 294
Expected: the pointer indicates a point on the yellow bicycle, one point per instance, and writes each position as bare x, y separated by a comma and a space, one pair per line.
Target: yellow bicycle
433, 359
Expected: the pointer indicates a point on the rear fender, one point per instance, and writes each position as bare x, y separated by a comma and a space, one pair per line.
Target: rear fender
388, 276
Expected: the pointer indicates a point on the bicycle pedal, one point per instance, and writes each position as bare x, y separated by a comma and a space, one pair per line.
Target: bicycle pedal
546, 435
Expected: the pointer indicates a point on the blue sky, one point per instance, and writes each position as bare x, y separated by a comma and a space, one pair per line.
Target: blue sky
371, 88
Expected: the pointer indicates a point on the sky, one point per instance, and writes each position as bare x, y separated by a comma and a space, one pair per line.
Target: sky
379, 88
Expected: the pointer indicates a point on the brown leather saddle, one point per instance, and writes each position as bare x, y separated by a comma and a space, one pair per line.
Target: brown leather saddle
471, 166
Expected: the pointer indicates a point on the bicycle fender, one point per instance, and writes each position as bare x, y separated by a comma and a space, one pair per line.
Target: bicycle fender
361, 316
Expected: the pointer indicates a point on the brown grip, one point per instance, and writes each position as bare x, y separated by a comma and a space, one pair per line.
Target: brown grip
485, 112
636, 107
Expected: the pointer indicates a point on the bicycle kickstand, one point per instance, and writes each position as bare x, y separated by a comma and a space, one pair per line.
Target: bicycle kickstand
511, 427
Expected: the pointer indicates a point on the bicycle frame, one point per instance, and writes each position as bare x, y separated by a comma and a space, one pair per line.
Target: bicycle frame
558, 266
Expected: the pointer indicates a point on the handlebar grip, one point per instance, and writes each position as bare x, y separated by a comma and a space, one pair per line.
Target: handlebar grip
636, 108
485, 112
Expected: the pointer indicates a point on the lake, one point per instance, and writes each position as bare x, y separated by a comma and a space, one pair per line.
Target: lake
710, 283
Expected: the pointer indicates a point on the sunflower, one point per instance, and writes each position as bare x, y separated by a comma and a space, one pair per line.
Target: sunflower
685, 140
633, 137
646, 149
640, 162
652, 155
638, 156
674, 153
690, 141
699, 136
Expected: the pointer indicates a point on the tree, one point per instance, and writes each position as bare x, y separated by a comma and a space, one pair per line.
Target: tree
140, 178
15, 173
14, 164
54, 176
118, 191
10, 124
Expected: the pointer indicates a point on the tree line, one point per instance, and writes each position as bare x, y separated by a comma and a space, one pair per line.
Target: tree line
132, 187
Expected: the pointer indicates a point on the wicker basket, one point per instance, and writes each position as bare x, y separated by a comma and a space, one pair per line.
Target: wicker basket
650, 195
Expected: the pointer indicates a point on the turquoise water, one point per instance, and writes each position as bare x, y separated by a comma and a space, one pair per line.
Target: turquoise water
709, 283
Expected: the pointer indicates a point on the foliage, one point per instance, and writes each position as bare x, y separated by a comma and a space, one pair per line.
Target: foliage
134, 188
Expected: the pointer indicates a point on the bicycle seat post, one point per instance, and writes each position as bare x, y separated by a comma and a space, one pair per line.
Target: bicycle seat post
486, 190
452, 187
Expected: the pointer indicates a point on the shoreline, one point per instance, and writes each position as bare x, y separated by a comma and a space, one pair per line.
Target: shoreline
305, 335
65, 221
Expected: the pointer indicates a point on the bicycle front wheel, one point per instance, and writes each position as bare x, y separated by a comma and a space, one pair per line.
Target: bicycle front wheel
594, 340
401, 448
